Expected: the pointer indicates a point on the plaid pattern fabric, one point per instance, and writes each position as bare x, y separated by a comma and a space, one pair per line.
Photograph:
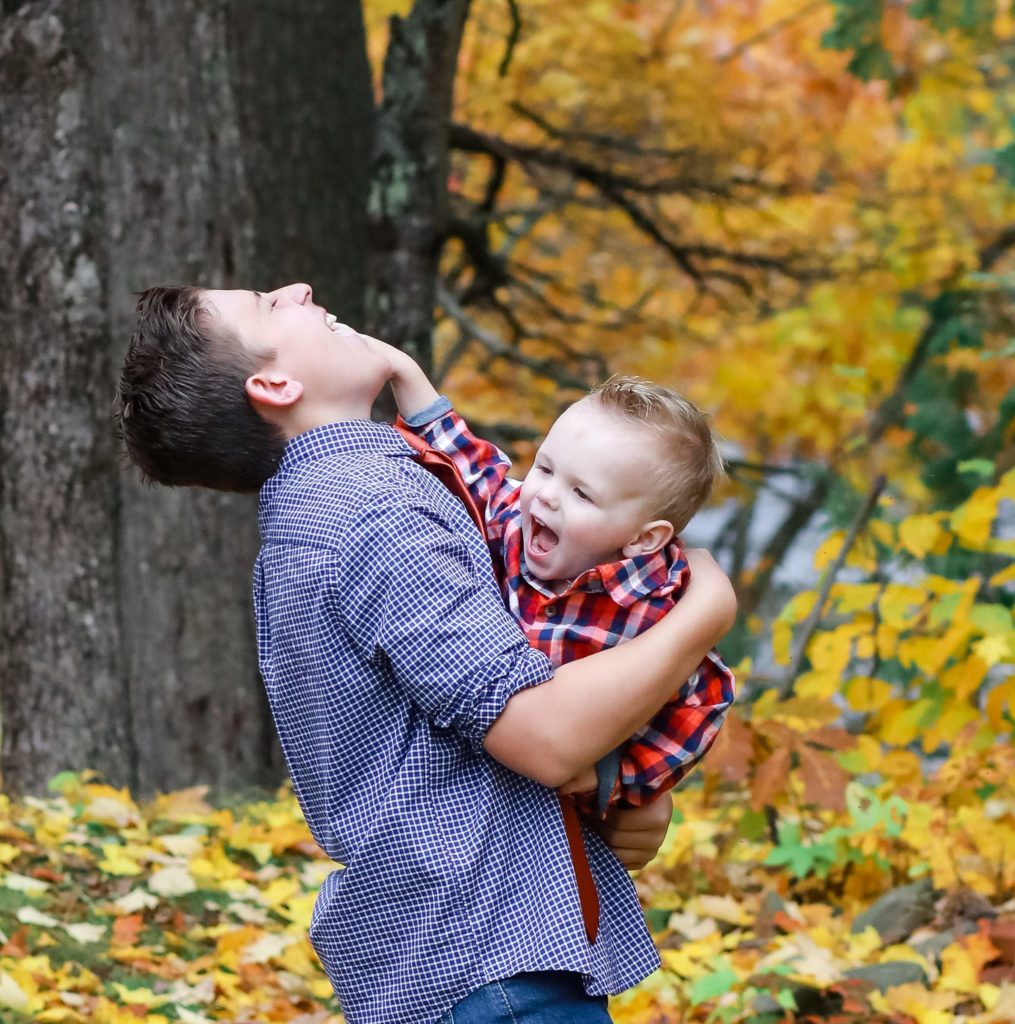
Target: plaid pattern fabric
603, 607
386, 654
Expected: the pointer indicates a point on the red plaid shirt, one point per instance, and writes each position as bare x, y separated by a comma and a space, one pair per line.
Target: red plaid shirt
603, 607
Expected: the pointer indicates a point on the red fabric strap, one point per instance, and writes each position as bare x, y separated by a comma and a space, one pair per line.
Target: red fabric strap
443, 467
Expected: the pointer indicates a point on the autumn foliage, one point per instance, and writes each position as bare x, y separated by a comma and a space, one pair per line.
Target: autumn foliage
802, 215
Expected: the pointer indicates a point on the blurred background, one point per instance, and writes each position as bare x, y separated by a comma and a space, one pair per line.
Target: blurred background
801, 213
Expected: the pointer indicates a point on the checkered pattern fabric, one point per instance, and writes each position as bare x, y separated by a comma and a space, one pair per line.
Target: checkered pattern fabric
387, 653
603, 607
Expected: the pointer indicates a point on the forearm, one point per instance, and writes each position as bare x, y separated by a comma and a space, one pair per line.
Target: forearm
553, 731
410, 385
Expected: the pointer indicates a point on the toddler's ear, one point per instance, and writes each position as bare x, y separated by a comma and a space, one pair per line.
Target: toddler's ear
650, 539
273, 389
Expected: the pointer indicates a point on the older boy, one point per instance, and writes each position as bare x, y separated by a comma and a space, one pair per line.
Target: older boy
583, 547
402, 690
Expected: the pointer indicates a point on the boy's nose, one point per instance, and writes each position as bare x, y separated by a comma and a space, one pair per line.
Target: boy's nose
298, 293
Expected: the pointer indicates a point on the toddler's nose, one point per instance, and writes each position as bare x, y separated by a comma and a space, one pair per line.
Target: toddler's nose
548, 496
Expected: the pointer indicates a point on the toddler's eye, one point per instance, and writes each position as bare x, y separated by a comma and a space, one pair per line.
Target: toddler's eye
581, 494
543, 469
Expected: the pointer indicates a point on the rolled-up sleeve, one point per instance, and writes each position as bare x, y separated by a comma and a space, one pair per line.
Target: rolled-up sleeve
410, 596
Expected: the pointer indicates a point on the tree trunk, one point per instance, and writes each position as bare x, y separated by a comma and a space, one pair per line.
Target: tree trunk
408, 199
146, 142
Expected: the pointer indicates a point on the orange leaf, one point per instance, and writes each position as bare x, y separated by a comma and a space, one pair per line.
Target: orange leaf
770, 778
730, 756
832, 737
824, 779
126, 930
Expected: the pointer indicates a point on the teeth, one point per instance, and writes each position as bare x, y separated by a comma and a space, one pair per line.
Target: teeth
330, 319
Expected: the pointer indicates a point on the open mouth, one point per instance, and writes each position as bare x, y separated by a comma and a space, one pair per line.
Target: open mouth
542, 540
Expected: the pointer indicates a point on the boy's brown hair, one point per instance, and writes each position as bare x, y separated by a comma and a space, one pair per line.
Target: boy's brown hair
181, 405
691, 463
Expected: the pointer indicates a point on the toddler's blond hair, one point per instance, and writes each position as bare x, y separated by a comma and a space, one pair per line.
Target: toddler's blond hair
690, 464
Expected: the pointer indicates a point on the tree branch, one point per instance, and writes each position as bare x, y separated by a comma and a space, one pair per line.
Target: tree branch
516, 31
497, 348
813, 620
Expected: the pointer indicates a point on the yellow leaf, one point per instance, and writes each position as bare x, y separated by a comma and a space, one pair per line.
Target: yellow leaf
855, 597
882, 531
136, 996
817, 684
782, 640
899, 604
185, 806
118, 862
962, 961
972, 520
8, 853
993, 649
918, 534
866, 694
830, 652
828, 550
948, 725
1000, 697
798, 607
963, 678
887, 641
863, 555
1004, 577
900, 721
109, 806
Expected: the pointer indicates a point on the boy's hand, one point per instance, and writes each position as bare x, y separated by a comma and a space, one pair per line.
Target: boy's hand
584, 782
709, 583
635, 834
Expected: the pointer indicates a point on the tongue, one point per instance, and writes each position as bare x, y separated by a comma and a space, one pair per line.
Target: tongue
543, 539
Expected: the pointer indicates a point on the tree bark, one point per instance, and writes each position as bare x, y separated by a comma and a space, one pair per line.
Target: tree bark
408, 198
150, 142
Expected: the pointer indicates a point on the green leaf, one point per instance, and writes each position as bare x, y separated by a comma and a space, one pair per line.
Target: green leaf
785, 998
63, 781
841, 370
711, 986
981, 467
991, 618
944, 609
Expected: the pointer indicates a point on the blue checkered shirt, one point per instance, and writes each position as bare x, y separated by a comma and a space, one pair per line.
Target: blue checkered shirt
387, 654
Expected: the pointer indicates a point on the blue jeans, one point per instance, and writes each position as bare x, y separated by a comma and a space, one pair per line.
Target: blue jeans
544, 997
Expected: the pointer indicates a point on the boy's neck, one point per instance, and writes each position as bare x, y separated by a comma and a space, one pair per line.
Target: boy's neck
300, 421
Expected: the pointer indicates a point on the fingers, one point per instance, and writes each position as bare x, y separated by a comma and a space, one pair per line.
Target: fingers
633, 860
584, 782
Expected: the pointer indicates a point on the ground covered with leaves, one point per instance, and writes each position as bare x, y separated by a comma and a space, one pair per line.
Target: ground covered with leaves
898, 909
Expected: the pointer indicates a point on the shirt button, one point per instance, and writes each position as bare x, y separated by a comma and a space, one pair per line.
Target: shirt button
551, 609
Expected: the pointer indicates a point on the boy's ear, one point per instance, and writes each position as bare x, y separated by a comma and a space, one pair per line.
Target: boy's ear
650, 539
274, 389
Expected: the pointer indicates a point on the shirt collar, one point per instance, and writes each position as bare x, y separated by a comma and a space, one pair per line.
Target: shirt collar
345, 437
342, 438
628, 580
